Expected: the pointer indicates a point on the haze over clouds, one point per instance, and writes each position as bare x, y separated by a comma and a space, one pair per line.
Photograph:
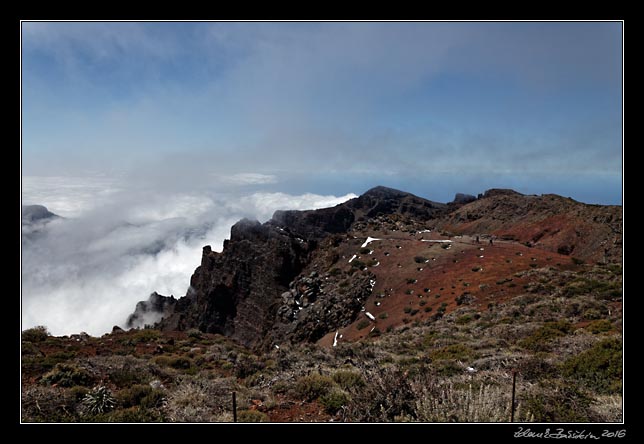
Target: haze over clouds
153, 138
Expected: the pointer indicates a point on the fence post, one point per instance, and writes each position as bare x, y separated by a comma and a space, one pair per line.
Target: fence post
234, 407
514, 387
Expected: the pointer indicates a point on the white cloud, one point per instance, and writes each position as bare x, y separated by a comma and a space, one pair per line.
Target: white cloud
249, 179
67, 196
88, 272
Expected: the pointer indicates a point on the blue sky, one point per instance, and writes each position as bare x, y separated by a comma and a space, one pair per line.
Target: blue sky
432, 108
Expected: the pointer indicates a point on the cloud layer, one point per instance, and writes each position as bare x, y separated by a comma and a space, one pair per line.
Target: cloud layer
87, 272
321, 98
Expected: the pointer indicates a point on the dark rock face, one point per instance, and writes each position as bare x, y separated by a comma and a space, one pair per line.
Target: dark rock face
314, 306
252, 290
34, 221
461, 198
235, 292
36, 213
151, 311
382, 200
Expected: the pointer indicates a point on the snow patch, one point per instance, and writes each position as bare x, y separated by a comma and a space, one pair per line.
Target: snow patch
353, 257
368, 241
335, 339
370, 316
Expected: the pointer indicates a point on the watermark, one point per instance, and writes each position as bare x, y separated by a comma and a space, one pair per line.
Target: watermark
561, 433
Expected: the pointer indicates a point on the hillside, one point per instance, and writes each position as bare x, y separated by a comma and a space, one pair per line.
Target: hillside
388, 307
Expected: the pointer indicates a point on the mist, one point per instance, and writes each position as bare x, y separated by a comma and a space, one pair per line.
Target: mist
87, 270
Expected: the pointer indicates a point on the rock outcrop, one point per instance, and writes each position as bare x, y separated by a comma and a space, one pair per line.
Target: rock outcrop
249, 291
281, 280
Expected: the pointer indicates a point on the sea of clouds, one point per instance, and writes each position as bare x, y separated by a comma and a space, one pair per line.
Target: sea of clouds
114, 245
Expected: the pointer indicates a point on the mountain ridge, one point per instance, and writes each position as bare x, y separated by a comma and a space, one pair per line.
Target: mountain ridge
274, 282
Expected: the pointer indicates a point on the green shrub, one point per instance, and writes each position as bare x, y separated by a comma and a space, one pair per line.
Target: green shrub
126, 377
251, 416
599, 367
155, 398
180, 362
348, 379
453, 351
334, 401
129, 397
313, 386
383, 315
447, 368
413, 312
411, 280
420, 259
602, 290
78, 392
427, 309
600, 326
67, 375
464, 319
365, 250
144, 336
35, 334
247, 366
130, 415
407, 309
194, 333
540, 339
477, 268
565, 404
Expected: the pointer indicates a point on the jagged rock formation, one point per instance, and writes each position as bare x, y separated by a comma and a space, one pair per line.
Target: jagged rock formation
151, 311
280, 281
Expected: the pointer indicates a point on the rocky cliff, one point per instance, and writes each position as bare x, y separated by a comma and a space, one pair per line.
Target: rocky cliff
294, 278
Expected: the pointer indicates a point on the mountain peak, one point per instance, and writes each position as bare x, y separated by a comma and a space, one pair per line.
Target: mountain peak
385, 192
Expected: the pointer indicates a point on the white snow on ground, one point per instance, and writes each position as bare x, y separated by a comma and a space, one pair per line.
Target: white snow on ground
436, 240
368, 241
370, 316
335, 339
353, 257
424, 231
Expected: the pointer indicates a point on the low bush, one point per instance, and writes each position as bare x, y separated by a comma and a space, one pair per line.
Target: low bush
600, 326
334, 401
67, 375
311, 387
599, 368
251, 416
348, 379
35, 334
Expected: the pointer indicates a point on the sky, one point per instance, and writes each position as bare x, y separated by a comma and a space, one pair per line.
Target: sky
151, 139
433, 108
